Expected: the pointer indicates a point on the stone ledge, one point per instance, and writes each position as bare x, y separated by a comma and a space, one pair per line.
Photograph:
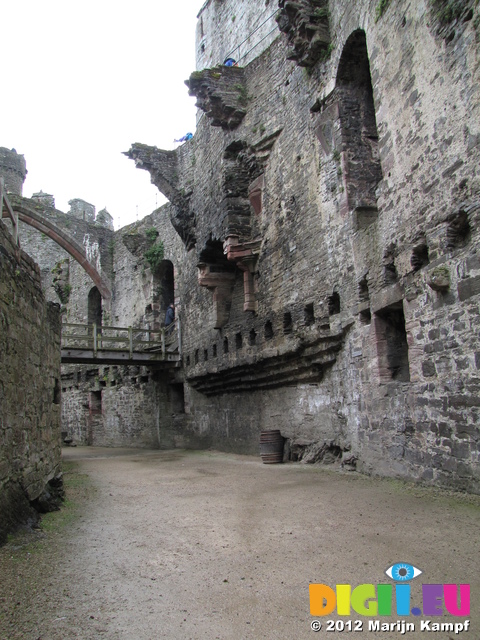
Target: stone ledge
300, 363
221, 93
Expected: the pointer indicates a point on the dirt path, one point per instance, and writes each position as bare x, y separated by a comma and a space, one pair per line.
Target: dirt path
183, 545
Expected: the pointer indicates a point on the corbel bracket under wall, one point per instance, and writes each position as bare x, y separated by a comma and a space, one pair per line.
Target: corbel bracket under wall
221, 283
245, 256
163, 167
306, 25
221, 92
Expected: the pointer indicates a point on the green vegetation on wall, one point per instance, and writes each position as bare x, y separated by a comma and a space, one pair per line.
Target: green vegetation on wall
447, 10
152, 234
154, 255
380, 9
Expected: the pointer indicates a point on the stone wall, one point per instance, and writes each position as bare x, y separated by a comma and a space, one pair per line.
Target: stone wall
321, 244
125, 405
142, 293
332, 289
240, 29
122, 406
29, 390
113, 406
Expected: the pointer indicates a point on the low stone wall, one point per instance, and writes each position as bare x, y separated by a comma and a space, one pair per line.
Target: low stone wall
122, 406
29, 390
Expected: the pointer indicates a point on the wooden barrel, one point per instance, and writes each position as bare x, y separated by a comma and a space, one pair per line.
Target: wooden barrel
271, 446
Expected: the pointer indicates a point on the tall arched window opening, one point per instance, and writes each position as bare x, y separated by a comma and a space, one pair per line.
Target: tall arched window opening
164, 284
95, 307
359, 136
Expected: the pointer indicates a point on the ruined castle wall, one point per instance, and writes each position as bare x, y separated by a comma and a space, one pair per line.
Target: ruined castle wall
56, 264
112, 406
47, 252
328, 279
136, 286
377, 264
127, 405
29, 387
121, 406
240, 29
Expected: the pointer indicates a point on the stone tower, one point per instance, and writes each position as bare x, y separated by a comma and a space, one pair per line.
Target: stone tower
82, 209
104, 219
13, 170
46, 199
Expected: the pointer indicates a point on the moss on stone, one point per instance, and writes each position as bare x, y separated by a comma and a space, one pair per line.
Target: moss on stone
380, 9
446, 11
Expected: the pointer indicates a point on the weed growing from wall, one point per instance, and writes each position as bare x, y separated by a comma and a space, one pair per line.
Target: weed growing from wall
154, 255
326, 53
152, 234
380, 9
243, 97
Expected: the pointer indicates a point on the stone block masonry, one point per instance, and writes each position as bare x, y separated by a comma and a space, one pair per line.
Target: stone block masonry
30, 394
13, 169
128, 405
321, 245
333, 286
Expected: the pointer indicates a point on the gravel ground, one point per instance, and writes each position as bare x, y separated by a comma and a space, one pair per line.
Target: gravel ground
179, 545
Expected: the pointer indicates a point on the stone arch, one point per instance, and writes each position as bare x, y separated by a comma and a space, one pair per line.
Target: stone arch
71, 246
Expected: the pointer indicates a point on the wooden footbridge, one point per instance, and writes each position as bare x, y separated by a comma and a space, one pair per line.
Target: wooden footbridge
92, 344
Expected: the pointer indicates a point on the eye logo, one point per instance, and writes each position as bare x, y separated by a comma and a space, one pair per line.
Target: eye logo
403, 572
372, 600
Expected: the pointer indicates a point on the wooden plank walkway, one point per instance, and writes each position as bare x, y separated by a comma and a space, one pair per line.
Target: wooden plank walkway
92, 344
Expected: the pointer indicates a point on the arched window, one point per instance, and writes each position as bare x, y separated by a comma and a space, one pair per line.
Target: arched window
94, 307
164, 281
359, 136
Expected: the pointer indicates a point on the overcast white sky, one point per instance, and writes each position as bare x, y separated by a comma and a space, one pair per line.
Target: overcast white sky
82, 81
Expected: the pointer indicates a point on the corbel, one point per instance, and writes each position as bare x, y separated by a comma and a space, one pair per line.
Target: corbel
221, 283
245, 256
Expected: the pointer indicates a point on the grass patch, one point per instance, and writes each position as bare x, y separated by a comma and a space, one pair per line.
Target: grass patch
77, 488
24, 543
30, 561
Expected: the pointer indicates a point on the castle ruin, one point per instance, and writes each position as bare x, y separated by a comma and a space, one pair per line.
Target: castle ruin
320, 243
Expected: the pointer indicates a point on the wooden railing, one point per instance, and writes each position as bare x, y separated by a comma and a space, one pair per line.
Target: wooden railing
82, 340
8, 212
